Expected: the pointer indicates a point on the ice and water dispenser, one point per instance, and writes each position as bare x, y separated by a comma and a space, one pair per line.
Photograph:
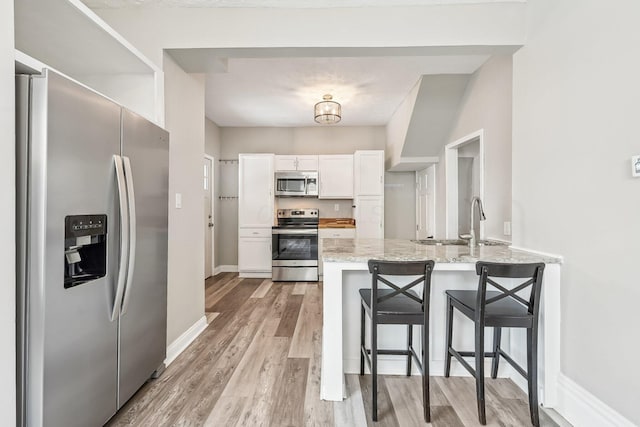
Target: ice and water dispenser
85, 249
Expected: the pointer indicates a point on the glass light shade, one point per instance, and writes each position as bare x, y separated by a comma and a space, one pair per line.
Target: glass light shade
327, 111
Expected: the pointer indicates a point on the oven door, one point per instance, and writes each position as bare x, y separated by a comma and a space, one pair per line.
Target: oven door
295, 255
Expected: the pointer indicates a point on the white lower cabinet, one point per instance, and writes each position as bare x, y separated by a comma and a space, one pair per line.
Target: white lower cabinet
254, 252
332, 233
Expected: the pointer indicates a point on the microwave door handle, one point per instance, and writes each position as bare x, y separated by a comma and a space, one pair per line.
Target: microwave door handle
132, 233
124, 236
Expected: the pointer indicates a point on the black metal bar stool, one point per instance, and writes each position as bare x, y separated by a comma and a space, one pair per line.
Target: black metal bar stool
503, 308
399, 305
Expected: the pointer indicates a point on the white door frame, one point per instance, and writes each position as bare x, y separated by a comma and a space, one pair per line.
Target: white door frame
451, 180
212, 230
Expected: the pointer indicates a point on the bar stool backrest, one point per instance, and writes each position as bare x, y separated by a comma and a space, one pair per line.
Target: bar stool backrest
379, 269
490, 270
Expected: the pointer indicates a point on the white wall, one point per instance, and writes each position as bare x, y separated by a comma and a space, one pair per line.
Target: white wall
486, 105
212, 146
575, 114
400, 205
7, 217
184, 94
303, 140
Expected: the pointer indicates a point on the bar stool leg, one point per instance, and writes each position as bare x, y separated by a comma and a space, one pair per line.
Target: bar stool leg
374, 369
479, 356
532, 373
362, 328
409, 344
447, 363
426, 402
497, 333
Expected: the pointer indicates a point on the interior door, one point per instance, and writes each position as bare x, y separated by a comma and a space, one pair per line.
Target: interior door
208, 217
143, 323
72, 342
422, 206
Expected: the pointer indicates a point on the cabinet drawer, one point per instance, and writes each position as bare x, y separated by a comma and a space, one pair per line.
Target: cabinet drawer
337, 233
254, 232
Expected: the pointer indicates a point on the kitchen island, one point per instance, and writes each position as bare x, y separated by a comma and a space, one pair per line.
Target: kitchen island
346, 271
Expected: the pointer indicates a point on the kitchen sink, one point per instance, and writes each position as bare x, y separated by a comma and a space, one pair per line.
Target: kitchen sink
456, 242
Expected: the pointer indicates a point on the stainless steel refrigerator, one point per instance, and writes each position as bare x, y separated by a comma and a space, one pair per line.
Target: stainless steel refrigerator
92, 252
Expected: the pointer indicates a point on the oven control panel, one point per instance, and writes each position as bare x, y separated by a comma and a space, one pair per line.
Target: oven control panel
297, 213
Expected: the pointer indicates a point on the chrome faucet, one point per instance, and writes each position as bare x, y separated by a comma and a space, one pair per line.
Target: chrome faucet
472, 233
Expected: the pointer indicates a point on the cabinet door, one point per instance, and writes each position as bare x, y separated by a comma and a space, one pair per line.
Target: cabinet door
370, 217
254, 254
307, 163
286, 163
369, 173
336, 177
255, 203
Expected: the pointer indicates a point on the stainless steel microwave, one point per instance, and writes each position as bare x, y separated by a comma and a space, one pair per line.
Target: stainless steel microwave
297, 184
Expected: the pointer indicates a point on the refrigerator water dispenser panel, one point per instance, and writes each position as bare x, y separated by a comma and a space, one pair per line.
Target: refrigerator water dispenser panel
85, 249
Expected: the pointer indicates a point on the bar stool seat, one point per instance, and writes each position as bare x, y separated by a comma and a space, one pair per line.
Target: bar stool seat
504, 312
400, 305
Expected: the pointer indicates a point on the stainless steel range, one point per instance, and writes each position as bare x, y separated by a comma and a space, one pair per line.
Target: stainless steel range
295, 246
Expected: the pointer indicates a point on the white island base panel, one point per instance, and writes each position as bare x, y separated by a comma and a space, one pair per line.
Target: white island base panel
341, 330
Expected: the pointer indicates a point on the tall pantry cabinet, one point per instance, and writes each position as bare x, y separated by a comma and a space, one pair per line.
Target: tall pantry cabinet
255, 214
368, 194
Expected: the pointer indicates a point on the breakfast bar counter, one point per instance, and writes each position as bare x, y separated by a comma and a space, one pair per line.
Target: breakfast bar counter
346, 271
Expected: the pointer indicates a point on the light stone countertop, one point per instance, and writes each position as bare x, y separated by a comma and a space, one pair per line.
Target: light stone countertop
362, 250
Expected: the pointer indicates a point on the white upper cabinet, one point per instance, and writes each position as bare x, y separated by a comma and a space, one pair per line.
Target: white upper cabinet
296, 163
335, 173
369, 173
255, 190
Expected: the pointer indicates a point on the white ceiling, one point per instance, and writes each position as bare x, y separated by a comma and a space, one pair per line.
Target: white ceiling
282, 91
279, 86
279, 3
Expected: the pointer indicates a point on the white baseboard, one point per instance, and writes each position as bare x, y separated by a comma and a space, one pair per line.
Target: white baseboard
182, 342
582, 408
225, 269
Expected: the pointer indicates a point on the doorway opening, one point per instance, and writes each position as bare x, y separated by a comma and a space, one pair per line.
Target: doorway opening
209, 224
464, 179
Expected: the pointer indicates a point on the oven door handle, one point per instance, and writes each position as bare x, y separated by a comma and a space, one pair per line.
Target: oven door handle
296, 232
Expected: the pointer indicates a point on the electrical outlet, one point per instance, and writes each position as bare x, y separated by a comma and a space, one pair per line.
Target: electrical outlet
178, 200
336, 207
507, 228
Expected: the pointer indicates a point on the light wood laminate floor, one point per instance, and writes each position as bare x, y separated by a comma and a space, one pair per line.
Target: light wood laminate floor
258, 364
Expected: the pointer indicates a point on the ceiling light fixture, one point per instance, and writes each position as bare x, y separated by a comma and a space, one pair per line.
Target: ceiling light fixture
327, 112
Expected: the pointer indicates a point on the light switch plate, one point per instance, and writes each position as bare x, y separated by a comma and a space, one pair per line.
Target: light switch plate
635, 166
178, 200
336, 207
507, 228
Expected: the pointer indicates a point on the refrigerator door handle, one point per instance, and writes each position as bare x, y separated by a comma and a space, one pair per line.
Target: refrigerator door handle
124, 235
132, 233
